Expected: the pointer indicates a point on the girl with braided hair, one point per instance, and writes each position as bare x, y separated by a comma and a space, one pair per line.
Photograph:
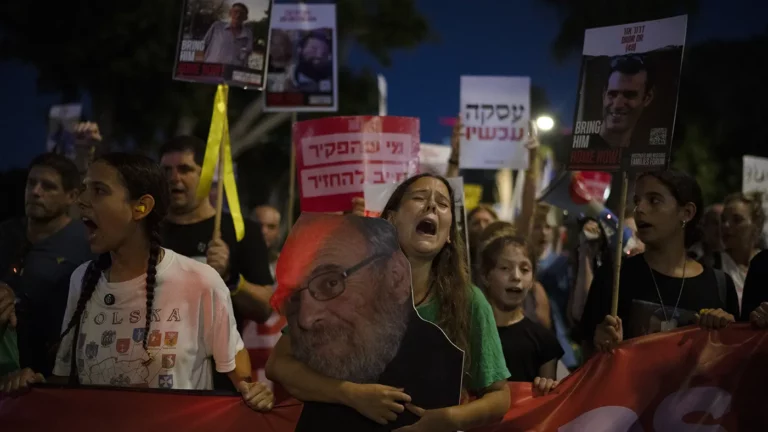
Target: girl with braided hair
140, 315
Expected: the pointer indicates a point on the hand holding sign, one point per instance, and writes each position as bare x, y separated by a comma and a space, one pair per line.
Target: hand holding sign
378, 402
608, 334
456, 139
87, 132
217, 255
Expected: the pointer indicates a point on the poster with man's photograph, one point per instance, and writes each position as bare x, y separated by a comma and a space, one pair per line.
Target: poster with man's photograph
627, 96
344, 286
223, 41
302, 69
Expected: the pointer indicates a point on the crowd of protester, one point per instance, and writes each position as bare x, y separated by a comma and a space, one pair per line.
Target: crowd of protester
123, 262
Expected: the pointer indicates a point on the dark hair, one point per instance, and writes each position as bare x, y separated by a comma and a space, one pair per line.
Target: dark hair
141, 176
70, 175
185, 143
633, 64
485, 208
494, 229
685, 189
241, 5
315, 34
449, 273
492, 248
754, 202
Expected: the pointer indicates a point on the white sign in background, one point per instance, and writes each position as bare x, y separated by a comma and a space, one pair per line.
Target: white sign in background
433, 158
755, 179
495, 111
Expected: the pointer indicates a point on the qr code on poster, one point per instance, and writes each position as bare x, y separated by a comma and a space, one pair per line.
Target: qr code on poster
658, 137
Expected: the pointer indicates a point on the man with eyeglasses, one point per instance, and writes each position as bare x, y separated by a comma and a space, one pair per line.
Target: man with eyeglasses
349, 307
345, 287
627, 93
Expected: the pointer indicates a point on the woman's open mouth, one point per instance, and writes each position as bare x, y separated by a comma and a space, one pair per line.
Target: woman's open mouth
91, 227
426, 227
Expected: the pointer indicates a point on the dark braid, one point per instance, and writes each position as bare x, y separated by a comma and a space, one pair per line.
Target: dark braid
154, 255
90, 280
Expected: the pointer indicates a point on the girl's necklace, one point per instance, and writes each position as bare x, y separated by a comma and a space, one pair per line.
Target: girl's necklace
669, 323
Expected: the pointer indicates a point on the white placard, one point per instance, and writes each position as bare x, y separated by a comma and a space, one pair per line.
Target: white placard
433, 158
495, 111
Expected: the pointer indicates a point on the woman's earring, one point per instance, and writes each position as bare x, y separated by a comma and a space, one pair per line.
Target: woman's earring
683, 223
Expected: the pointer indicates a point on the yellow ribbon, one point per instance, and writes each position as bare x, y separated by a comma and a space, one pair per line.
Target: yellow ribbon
472, 195
218, 136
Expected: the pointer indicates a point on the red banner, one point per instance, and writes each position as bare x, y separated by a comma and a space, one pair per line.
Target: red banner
682, 381
336, 156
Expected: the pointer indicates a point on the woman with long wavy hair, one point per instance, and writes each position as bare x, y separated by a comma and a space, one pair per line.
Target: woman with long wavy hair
140, 315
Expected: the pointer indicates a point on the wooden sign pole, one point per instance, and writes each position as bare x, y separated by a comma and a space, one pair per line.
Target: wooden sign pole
619, 245
292, 180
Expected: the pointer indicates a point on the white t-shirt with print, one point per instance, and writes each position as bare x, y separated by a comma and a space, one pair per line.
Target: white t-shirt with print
192, 321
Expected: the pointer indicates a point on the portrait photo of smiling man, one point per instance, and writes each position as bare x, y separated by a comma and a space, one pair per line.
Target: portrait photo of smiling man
344, 286
627, 93
627, 96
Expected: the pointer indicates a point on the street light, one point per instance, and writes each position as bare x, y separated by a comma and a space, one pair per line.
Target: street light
545, 123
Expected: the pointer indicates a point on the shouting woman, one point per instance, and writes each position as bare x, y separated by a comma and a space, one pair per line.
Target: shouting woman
140, 315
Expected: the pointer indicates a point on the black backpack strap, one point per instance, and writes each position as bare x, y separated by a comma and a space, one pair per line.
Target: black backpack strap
722, 286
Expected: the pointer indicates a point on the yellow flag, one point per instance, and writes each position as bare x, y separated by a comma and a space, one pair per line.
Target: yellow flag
472, 195
219, 136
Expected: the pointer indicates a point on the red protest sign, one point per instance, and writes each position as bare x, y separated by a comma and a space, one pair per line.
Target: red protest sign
336, 156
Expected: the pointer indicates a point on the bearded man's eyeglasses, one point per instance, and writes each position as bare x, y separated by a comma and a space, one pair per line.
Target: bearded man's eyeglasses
330, 284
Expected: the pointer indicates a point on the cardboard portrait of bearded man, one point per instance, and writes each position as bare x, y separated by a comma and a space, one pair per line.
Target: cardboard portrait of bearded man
344, 286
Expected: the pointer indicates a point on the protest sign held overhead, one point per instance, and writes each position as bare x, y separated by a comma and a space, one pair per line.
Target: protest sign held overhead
627, 97
344, 286
336, 156
62, 120
303, 70
223, 42
494, 112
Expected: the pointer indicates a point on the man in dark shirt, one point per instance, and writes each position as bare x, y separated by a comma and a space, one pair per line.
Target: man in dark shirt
37, 256
188, 230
